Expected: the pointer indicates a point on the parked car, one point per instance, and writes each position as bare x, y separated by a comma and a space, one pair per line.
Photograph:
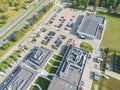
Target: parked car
82, 37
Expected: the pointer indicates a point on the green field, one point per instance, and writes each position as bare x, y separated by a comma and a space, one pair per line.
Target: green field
42, 82
50, 77
57, 57
98, 84
112, 32
43, 42
50, 69
33, 87
110, 84
86, 47
53, 62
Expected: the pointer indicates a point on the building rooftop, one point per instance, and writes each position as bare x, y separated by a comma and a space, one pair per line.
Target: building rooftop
38, 56
90, 24
70, 70
19, 79
74, 58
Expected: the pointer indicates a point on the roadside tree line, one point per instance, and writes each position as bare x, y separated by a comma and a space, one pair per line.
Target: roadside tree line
8, 7
7, 62
19, 34
112, 5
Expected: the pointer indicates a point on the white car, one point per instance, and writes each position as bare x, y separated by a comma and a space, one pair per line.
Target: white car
83, 83
96, 66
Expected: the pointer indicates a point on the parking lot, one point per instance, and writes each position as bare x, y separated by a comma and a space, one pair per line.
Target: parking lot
65, 19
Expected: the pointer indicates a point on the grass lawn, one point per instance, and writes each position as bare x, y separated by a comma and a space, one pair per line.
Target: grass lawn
112, 33
63, 36
54, 47
56, 57
98, 83
86, 47
8, 60
53, 62
50, 69
44, 42
42, 82
110, 84
50, 77
33, 87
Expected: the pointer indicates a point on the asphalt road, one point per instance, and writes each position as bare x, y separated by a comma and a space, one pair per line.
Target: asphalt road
16, 19
23, 23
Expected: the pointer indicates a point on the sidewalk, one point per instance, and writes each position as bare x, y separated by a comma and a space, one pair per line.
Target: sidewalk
113, 74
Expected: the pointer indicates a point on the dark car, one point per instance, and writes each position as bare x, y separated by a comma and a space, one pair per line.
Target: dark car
58, 45
62, 17
60, 25
46, 37
48, 40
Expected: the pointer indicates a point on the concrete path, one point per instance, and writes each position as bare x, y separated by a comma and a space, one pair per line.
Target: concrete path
113, 74
96, 87
38, 86
53, 65
45, 77
56, 60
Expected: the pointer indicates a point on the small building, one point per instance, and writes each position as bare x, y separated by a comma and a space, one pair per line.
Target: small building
90, 25
38, 56
20, 79
70, 71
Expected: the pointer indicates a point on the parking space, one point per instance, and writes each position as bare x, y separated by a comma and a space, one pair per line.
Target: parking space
58, 42
48, 38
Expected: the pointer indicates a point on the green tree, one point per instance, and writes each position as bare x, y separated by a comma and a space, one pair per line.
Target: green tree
17, 8
3, 17
118, 9
16, 36
112, 4
86, 3
96, 4
3, 9
106, 50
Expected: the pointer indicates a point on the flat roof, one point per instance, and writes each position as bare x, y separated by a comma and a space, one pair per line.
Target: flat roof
90, 23
39, 56
74, 57
19, 79
60, 84
70, 70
